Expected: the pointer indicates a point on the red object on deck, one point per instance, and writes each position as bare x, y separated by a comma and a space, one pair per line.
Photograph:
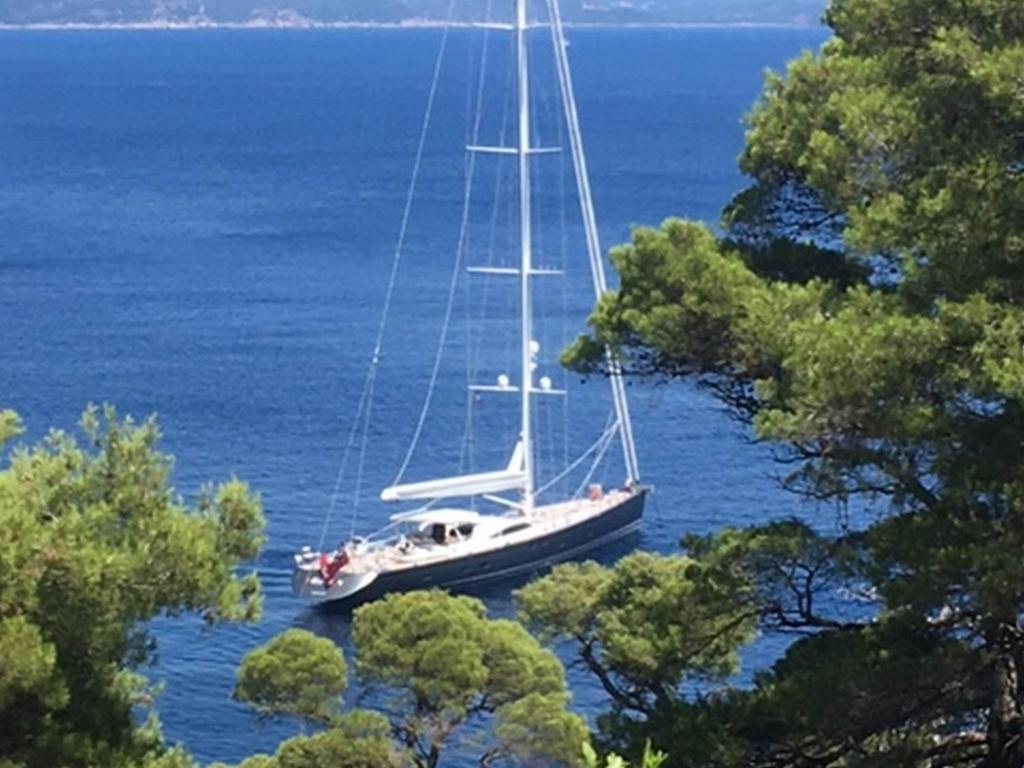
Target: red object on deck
329, 567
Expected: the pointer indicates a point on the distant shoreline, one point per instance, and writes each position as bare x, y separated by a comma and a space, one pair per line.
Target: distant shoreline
416, 24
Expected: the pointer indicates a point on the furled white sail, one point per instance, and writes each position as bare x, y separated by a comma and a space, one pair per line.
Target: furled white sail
513, 477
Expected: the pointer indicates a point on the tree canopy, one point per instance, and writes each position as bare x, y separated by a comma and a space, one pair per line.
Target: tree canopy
296, 673
862, 308
441, 663
355, 739
435, 668
93, 544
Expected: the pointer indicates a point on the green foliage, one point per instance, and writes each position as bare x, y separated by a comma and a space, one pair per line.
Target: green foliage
302, 675
94, 543
536, 729
650, 758
335, 748
425, 644
10, 426
357, 739
296, 673
565, 603
864, 312
442, 671
31, 665
647, 624
442, 664
908, 126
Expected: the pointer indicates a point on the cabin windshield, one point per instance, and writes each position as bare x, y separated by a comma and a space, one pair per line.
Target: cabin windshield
443, 533
439, 533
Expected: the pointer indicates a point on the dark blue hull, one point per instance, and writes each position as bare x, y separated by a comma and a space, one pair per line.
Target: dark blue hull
467, 572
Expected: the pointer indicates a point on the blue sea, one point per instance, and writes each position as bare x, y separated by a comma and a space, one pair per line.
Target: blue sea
201, 224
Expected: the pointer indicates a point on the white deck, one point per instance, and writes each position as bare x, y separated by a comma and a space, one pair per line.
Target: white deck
485, 537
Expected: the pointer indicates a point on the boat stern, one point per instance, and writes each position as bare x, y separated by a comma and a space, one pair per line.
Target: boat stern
308, 579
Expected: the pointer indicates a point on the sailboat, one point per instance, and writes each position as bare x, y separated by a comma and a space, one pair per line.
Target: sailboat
444, 541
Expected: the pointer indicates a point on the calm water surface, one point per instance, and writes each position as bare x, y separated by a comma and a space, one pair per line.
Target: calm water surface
200, 225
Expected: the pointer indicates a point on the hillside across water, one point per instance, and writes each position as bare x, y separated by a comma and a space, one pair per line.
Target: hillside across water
317, 12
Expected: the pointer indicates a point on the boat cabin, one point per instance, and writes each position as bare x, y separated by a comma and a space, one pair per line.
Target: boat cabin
440, 527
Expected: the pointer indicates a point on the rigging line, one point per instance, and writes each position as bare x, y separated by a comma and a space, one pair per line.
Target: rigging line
561, 139
546, 409
350, 444
611, 427
507, 175
545, 130
467, 430
564, 304
598, 459
413, 182
476, 342
506, 110
590, 227
459, 254
477, 339
357, 492
466, 297
467, 283
468, 448
369, 386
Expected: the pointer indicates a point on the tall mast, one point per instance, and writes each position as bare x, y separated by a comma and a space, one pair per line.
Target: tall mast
594, 251
526, 250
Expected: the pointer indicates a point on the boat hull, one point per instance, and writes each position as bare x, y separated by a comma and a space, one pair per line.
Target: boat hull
535, 554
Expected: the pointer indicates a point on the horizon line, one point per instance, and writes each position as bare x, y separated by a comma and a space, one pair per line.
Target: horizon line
261, 24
